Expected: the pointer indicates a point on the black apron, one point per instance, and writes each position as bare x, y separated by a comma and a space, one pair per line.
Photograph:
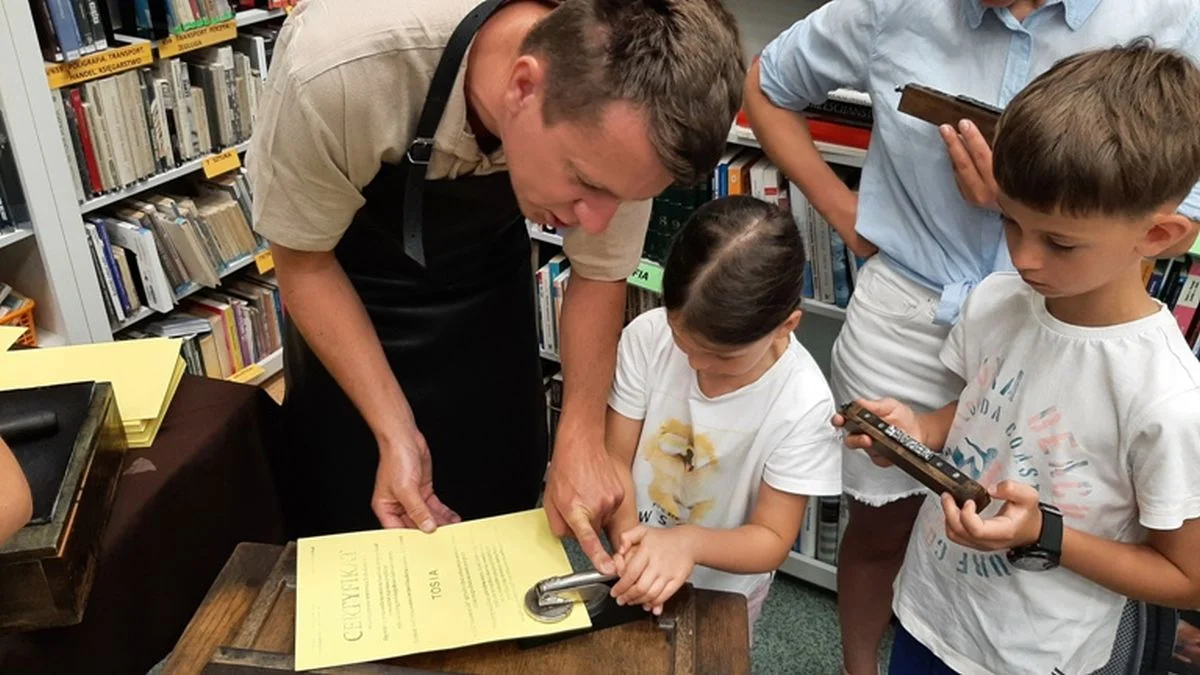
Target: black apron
444, 270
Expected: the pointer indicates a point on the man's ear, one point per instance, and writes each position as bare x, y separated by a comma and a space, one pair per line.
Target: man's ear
526, 84
1170, 236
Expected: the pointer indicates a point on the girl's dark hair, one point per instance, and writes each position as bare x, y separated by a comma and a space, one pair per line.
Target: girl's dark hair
735, 271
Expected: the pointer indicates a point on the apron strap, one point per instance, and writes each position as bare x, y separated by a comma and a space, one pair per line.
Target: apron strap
421, 149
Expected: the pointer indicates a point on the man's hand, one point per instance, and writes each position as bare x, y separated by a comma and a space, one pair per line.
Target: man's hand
972, 159
656, 562
403, 494
1018, 523
891, 411
582, 490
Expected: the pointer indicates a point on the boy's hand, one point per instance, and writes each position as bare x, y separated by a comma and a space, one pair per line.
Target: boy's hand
1018, 523
656, 562
891, 411
971, 157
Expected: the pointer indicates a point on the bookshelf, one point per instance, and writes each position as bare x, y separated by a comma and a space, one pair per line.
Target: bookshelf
185, 169
50, 259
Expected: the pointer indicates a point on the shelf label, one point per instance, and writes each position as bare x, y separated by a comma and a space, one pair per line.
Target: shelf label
222, 162
248, 374
199, 38
102, 64
648, 275
264, 261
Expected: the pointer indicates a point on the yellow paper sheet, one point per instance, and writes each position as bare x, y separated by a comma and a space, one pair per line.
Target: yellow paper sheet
9, 336
367, 596
141, 371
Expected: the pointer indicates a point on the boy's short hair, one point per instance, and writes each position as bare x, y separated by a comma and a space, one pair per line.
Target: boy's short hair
680, 61
1110, 132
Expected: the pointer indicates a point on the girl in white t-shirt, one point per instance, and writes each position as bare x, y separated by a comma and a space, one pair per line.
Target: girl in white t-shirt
718, 418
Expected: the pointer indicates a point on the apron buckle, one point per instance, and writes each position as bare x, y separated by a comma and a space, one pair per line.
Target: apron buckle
420, 151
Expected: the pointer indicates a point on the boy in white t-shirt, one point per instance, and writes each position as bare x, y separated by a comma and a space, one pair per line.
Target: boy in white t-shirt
1081, 411
718, 418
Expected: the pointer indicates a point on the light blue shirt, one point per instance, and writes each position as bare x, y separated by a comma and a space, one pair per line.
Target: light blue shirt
908, 204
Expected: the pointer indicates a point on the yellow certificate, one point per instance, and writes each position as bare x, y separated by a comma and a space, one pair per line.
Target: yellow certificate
380, 594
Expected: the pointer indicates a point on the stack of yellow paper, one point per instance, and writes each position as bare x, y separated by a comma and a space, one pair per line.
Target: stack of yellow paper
379, 594
144, 375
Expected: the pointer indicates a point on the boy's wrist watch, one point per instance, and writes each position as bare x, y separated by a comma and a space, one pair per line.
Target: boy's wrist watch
1045, 553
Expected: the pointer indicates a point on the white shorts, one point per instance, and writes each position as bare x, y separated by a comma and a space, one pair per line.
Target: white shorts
889, 347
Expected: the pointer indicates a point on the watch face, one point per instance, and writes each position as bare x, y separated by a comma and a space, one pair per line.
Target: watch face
1033, 561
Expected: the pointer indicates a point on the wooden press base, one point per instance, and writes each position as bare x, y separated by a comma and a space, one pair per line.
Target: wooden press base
246, 625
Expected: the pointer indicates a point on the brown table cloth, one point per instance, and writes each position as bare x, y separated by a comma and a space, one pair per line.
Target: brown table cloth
181, 508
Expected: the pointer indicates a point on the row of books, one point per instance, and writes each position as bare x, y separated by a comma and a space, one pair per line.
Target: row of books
14, 210
70, 29
224, 330
150, 17
831, 268
121, 129
1176, 282
155, 249
550, 286
825, 521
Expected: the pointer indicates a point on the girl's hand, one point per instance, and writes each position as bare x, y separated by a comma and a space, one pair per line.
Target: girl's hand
1018, 523
891, 411
657, 562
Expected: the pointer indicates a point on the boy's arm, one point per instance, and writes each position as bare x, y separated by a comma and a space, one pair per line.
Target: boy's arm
1165, 570
621, 436
16, 503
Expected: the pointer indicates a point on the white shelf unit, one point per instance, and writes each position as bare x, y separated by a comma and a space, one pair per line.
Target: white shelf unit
271, 366
20, 234
810, 569
51, 261
245, 17
833, 153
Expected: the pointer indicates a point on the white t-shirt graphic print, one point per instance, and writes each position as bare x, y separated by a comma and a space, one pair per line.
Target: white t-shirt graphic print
701, 460
1103, 422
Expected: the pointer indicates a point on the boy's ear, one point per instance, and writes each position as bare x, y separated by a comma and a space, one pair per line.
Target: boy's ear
1169, 236
1185, 244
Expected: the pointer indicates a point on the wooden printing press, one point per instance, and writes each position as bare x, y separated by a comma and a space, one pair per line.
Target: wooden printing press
69, 442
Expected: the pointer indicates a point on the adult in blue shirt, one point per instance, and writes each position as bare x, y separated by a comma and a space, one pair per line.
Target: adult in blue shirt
925, 211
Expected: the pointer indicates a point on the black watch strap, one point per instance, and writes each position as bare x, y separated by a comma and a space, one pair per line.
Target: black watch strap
1051, 539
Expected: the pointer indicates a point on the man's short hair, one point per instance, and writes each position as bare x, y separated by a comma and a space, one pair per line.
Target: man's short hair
1110, 132
680, 61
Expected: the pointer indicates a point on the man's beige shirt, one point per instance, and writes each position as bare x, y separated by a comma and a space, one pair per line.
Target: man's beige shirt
345, 88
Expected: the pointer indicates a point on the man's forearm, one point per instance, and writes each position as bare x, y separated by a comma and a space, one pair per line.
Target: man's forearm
625, 517
784, 136
591, 325
334, 323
